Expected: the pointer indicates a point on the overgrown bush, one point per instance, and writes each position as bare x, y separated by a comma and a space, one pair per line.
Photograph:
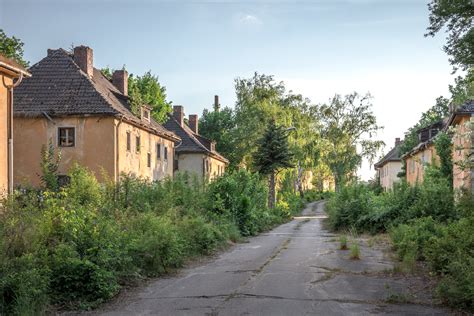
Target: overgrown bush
75, 246
424, 223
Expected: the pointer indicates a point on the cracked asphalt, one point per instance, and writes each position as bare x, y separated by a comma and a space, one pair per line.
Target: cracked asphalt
295, 269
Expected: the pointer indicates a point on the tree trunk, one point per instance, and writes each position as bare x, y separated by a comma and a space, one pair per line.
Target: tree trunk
299, 184
271, 190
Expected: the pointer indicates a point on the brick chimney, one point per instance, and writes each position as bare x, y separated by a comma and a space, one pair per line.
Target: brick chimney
397, 141
217, 106
83, 57
194, 123
178, 114
120, 81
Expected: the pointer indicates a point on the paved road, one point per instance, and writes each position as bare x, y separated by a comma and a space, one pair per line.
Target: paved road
295, 269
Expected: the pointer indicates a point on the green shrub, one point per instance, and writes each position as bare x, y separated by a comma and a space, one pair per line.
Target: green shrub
76, 245
77, 280
349, 205
411, 240
24, 285
200, 236
155, 244
242, 198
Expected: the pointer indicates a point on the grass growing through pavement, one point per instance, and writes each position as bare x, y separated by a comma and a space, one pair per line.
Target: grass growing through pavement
355, 251
343, 242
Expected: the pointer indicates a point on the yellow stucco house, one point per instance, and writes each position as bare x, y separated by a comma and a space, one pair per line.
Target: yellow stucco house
195, 154
88, 118
423, 154
11, 75
389, 166
462, 124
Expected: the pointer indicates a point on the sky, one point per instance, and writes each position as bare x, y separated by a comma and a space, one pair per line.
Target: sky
198, 48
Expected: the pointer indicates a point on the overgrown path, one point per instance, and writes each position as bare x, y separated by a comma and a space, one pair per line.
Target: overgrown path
295, 269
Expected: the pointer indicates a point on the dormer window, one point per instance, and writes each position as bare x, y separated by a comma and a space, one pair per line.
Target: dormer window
146, 113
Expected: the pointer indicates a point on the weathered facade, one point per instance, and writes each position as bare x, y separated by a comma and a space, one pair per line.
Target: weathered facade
87, 117
389, 167
462, 123
195, 154
423, 154
11, 74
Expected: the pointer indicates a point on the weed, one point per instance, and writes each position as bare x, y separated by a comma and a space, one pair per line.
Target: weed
343, 242
355, 251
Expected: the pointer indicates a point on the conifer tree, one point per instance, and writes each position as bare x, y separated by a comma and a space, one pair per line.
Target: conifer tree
273, 153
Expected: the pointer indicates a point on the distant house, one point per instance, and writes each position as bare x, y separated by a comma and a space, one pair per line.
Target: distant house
9, 71
195, 154
88, 118
423, 154
462, 122
389, 166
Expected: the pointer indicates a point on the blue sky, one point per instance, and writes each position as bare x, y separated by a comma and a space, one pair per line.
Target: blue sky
198, 48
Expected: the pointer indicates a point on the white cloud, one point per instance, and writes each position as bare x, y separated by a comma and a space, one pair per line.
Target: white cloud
249, 19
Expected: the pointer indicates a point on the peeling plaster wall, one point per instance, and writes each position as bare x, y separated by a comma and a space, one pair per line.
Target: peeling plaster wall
194, 163
94, 146
416, 164
388, 174
4, 133
136, 162
462, 147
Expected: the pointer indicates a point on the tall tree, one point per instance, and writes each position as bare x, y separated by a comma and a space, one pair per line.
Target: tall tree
273, 153
348, 128
219, 127
457, 16
258, 100
152, 93
145, 89
12, 47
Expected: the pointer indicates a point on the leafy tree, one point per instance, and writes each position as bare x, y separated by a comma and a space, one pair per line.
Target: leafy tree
436, 113
444, 151
49, 166
258, 100
145, 89
152, 93
12, 47
457, 17
219, 127
463, 89
273, 153
348, 126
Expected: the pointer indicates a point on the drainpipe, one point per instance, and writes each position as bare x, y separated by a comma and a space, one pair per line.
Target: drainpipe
117, 151
10, 129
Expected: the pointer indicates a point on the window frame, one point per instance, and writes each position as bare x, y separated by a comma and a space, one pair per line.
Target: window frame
129, 141
73, 136
138, 143
158, 151
148, 159
165, 153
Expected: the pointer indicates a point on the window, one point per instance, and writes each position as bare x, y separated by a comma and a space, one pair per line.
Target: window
138, 144
165, 154
148, 160
146, 114
66, 137
129, 141
158, 151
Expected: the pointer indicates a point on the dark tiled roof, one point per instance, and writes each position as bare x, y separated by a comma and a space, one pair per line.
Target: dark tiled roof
59, 87
392, 155
191, 142
467, 107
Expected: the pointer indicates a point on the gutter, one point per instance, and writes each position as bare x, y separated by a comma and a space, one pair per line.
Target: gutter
10, 128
